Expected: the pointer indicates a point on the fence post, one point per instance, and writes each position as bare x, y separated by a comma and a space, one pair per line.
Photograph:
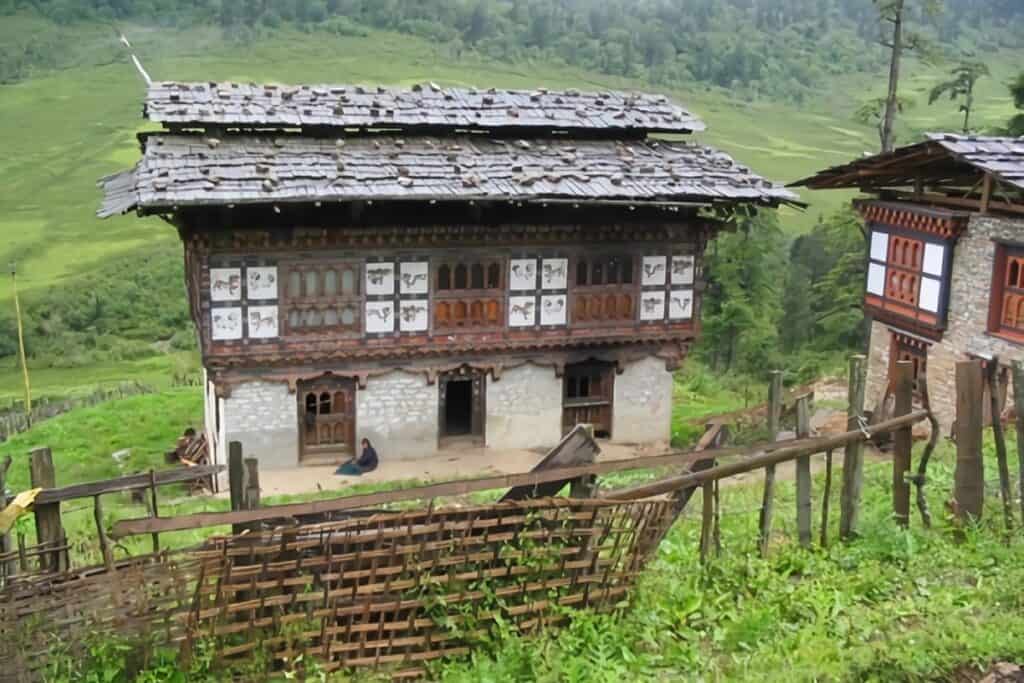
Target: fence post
1018, 401
707, 520
236, 480
803, 473
903, 443
969, 477
154, 509
49, 529
101, 534
768, 501
995, 398
6, 543
853, 464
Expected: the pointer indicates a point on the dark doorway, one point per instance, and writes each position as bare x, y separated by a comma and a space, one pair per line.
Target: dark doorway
458, 408
461, 409
588, 392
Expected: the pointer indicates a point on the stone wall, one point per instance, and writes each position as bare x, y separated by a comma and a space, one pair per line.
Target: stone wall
524, 408
967, 329
643, 403
263, 416
397, 412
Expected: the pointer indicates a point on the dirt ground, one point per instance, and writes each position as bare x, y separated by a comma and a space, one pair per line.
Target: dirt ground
457, 463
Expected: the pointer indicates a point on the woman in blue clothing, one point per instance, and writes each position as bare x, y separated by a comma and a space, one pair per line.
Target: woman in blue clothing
367, 462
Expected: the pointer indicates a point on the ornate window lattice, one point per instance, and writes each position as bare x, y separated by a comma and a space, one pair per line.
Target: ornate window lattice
602, 292
1007, 316
322, 298
468, 295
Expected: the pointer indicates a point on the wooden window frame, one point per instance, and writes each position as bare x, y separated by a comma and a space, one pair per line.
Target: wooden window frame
617, 293
1002, 293
492, 295
907, 306
320, 301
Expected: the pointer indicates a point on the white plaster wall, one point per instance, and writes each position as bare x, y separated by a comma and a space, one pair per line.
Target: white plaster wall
524, 408
643, 403
397, 412
263, 416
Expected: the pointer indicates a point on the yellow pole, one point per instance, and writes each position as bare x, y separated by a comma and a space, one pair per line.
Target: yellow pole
21, 343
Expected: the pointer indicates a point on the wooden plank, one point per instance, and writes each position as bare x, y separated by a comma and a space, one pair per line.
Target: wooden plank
853, 465
236, 474
130, 483
132, 527
154, 509
996, 411
803, 474
903, 443
101, 534
781, 455
768, 499
969, 476
826, 499
49, 528
1018, 400
576, 448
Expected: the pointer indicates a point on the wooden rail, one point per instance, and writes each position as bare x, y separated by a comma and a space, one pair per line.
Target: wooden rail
130, 483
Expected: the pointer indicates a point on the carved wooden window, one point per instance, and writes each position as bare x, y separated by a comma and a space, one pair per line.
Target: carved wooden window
469, 294
603, 290
322, 298
909, 276
1006, 316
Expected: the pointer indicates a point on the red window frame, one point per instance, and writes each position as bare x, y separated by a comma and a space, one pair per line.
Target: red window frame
1006, 304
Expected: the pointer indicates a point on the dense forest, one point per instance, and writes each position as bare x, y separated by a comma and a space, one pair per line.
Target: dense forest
785, 48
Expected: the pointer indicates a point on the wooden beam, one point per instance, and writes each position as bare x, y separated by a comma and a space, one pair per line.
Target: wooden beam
132, 527
1018, 401
768, 498
793, 452
130, 483
803, 474
903, 443
49, 528
974, 204
969, 476
853, 465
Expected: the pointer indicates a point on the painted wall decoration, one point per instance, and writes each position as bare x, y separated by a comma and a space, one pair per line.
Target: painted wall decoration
261, 282
680, 304
380, 317
226, 324
380, 279
225, 284
522, 311
412, 316
522, 274
553, 309
653, 274
652, 306
414, 277
554, 273
263, 322
682, 270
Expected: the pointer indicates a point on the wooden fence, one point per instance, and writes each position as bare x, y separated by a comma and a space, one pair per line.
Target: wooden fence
352, 584
14, 419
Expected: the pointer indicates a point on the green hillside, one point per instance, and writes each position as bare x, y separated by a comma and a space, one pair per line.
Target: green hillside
109, 294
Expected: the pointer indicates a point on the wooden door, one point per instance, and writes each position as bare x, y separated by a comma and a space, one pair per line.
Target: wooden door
461, 403
327, 418
588, 393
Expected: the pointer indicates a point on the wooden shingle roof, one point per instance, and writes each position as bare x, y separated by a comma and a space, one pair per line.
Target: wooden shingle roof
943, 159
180, 170
421, 108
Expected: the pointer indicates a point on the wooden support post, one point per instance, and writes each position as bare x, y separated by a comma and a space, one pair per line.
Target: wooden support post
995, 401
49, 529
236, 474
6, 540
707, 520
969, 477
825, 498
154, 511
101, 533
718, 517
803, 474
1018, 401
903, 443
252, 484
853, 464
768, 500
22, 554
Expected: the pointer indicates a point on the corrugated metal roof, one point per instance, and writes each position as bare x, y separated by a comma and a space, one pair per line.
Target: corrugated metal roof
192, 170
430, 106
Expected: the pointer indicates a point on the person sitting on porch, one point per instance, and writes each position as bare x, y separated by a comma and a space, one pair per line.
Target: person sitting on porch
367, 462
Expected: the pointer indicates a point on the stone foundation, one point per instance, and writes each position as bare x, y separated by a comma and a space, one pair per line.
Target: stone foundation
398, 413
642, 412
524, 408
263, 416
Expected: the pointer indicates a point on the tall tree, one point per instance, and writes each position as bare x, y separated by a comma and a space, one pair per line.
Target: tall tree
899, 42
1016, 125
961, 85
